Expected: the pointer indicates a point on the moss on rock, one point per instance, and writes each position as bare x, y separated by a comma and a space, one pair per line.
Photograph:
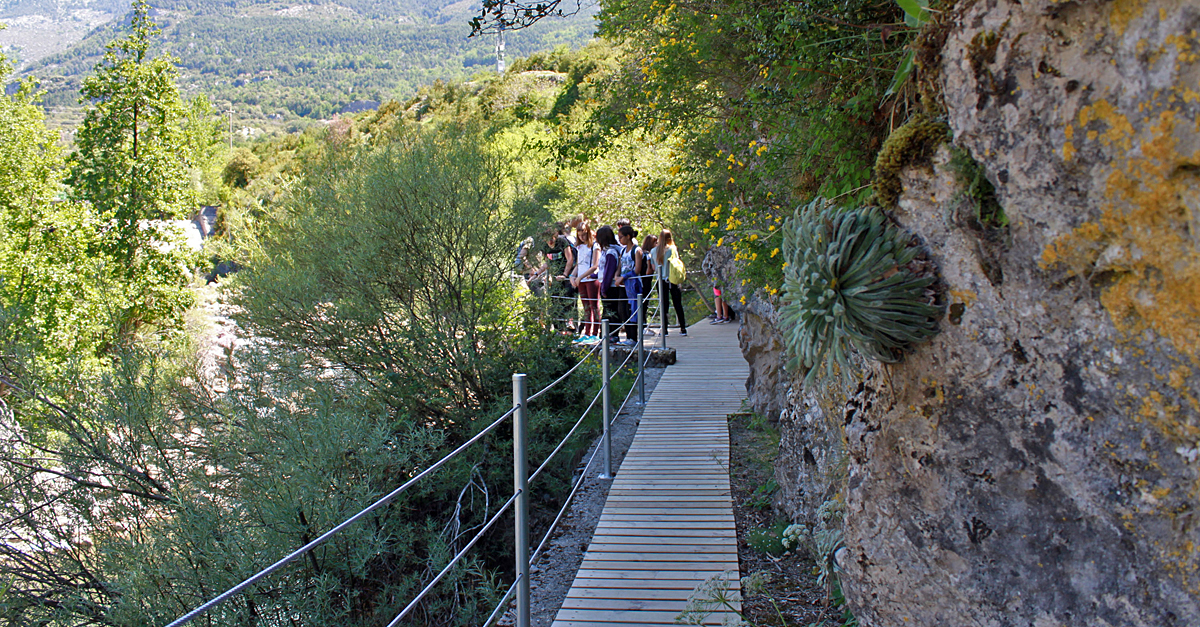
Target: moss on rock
912, 143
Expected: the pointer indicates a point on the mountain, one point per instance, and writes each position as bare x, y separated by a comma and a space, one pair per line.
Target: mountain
280, 60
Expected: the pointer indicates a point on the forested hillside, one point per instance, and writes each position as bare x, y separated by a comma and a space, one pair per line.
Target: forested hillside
282, 61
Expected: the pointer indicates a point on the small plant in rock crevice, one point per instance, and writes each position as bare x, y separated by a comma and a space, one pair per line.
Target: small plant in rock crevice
852, 281
822, 541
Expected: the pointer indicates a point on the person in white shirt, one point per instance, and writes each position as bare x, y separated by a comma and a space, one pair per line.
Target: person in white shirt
587, 262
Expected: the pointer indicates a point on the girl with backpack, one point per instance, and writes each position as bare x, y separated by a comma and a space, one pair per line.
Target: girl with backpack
610, 293
664, 255
631, 259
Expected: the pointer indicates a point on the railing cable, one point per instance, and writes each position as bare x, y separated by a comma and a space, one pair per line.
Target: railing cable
323, 538
412, 604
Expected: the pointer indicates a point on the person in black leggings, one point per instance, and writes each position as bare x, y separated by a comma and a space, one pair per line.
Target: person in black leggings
610, 295
662, 256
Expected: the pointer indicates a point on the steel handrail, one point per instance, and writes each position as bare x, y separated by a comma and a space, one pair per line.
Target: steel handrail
323, 538
578, 483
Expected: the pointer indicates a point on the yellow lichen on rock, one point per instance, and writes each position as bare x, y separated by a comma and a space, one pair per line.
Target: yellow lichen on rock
1124, 12
1142, 235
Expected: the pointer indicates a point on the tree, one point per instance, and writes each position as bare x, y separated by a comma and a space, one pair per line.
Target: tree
390, 260
131, 165
131, 158
50, 308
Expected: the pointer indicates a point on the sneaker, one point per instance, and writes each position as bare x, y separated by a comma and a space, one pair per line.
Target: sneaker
683, 332
716, 321
629, 343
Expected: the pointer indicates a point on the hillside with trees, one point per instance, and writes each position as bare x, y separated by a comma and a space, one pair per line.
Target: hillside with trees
279, 61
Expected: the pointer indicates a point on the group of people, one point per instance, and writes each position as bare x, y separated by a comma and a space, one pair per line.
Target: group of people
607, 270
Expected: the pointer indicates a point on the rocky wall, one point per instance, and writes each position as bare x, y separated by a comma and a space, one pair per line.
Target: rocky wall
1036, 463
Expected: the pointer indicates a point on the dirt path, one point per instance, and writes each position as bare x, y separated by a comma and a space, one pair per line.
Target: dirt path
789, 588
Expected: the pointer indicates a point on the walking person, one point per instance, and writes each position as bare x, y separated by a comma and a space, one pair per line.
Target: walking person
664, 253
587, 262
606, 274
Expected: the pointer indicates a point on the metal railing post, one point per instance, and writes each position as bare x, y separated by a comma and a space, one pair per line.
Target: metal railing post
606, 471
641, 329
520, 488
662, 311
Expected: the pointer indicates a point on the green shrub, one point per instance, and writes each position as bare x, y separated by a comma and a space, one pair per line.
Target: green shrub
850, 282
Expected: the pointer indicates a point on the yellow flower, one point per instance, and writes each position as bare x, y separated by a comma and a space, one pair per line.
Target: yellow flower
776, 252
731, 179
753, 236
752, 143
785, 264
695, 218
754, 257
720, 241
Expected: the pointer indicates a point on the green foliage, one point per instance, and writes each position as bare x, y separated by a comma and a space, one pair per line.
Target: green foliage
390, 259
763, 495
203, 150
761, 105
129, 163
911, 144
241, 168
62, 292
978, 190
851, 282
130, 167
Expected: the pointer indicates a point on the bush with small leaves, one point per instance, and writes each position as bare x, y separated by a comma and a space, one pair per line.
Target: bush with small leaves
850, 281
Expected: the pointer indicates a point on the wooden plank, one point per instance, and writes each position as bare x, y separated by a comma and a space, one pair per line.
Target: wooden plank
636, 617
621, 548
616, 585
645, 557
695, 576
642, 593
668, 532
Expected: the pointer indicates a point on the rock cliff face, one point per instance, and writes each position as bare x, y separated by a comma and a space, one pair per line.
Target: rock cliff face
1036, 464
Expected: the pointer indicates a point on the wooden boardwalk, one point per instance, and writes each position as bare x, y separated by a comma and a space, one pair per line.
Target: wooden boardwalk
668, 523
